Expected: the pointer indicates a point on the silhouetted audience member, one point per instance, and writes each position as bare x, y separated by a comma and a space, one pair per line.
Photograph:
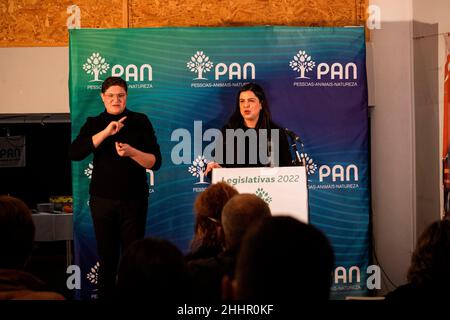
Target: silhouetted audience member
429, 273
238, 214
153, 269
16, 243
207, 241
283, 259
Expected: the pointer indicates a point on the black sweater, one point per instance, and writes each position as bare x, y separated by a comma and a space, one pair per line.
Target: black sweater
113, 176
284, 155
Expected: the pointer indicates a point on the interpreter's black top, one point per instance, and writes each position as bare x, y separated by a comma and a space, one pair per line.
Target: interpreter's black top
113, 176
284, 153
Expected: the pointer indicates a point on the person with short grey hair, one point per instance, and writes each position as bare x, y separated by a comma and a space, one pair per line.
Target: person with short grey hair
238, 214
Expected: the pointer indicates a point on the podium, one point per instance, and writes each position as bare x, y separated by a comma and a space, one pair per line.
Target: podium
284, 189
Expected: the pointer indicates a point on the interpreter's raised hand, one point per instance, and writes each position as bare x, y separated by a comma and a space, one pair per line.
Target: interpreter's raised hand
114, 127
124, 149
211, 165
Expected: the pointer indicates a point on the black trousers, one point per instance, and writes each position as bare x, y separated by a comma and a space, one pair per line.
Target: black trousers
117, 224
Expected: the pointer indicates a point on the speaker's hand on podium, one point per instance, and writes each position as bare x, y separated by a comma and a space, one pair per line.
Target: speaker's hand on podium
211, 165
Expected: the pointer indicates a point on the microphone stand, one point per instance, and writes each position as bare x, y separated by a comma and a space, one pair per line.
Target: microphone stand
269, 142
299, 161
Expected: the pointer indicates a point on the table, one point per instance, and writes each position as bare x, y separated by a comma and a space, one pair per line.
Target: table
55, 227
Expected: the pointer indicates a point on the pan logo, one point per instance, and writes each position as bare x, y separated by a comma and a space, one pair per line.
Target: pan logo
335, 176
197, 169
234, 71
200, 64
311, 167
150, 180
92, 275
350, 278
264, 195
333, 74
338, 173
88, 170
95, 65
149, 173
302, 63
134, 73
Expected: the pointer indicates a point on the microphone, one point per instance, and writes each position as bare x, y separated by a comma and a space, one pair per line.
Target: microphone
293, 136
299, 161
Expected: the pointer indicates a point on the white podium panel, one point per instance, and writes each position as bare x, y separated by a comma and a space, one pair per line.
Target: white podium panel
284, 189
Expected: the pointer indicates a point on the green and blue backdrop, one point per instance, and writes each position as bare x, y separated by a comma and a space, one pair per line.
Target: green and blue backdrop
187, 78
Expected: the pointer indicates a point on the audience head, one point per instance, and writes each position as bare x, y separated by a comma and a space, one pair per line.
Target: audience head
208, 213
238, 214
282, 258
16, 233
430, 263
155, 269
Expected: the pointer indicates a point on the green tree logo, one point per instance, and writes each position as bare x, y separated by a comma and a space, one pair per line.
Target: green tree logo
264, 195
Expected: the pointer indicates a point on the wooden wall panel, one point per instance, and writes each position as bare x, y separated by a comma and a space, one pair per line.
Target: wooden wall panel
246, 12
43, 22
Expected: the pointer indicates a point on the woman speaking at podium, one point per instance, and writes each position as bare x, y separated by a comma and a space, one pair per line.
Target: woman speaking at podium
252, 114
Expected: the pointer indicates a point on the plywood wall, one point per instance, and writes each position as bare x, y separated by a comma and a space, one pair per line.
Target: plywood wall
44, 22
